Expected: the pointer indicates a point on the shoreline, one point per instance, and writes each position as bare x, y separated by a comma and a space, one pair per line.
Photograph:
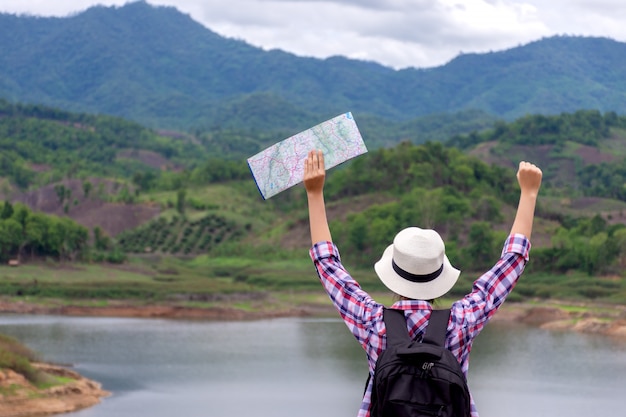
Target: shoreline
603, 319
606, 320
26, 400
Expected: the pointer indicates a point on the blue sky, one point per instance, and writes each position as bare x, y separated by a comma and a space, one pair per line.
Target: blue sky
395, 33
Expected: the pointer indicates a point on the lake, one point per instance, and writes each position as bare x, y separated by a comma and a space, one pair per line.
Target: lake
310, 367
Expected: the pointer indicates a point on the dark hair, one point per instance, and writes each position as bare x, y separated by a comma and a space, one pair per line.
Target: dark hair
398, 297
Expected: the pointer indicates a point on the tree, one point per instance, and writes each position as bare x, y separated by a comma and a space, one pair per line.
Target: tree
75, 238
7, 211
382, 230
357, 234
180, 201
144, 180
480, 249
101, 240
59, 189
487, 208
421, 207
619, 237
54, 237
597, 255
124, 195
10, 238
87, 187
34, 232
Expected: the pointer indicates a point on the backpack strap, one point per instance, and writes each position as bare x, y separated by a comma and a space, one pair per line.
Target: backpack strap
397, 333
437, 327
395, 323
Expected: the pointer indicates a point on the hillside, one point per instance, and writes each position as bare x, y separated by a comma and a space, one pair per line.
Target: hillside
581, 153
101, 189
159, 67
117, 175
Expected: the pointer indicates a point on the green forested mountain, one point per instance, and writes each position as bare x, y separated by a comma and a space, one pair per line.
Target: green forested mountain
157, 66
168, 178
41, 144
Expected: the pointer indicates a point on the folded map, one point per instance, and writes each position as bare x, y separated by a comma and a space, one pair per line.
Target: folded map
281, 166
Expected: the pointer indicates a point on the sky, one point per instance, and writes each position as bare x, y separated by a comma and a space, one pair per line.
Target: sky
394, 33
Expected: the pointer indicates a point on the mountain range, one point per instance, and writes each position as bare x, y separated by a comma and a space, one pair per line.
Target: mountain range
157, 66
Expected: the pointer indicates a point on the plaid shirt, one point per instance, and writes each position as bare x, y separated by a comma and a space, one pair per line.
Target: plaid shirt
364, 316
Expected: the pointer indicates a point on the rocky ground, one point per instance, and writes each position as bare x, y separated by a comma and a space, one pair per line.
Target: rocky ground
19, 398
605, 320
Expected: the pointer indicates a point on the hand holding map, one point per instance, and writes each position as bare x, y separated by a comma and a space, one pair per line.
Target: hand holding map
281, 166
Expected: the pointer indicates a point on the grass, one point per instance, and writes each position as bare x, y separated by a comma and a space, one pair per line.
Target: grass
615, 145
278, 283
575, 286
580, 309
250, 279
232, 200
53, 381
17, 357
10, 391
112, 282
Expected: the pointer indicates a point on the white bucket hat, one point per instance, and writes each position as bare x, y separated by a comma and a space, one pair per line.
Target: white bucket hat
415, 266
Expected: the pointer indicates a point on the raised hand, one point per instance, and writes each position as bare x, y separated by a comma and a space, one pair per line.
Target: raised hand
529, 177
314, 172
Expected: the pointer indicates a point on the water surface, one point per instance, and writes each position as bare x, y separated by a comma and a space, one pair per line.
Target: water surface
310, 367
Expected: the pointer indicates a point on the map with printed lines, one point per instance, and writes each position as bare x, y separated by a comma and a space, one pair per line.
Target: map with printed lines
281, 166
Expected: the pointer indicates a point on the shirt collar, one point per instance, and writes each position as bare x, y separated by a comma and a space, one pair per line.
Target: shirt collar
412, 305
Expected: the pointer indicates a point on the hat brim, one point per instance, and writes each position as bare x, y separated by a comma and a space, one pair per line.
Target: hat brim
415, 290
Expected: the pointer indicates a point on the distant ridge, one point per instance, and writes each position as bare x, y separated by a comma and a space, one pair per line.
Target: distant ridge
158, 66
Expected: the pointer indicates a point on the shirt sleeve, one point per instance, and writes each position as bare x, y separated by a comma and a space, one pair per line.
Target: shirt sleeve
491, 289
355, 306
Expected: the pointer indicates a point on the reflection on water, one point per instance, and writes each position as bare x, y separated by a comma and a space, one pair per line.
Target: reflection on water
309, 367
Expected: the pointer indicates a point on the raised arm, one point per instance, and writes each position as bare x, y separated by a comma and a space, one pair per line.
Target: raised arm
314, 176
529, 179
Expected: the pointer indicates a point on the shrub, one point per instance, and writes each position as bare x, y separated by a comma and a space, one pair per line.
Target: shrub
17, 357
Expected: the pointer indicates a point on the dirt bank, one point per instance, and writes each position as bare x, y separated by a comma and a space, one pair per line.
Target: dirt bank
553, 315
167, 310
19, 398
609, 320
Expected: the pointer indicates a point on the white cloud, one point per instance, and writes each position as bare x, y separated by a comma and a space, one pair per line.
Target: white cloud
397, 33
51, 8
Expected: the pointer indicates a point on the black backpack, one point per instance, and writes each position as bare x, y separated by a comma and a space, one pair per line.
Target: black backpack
413, 379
